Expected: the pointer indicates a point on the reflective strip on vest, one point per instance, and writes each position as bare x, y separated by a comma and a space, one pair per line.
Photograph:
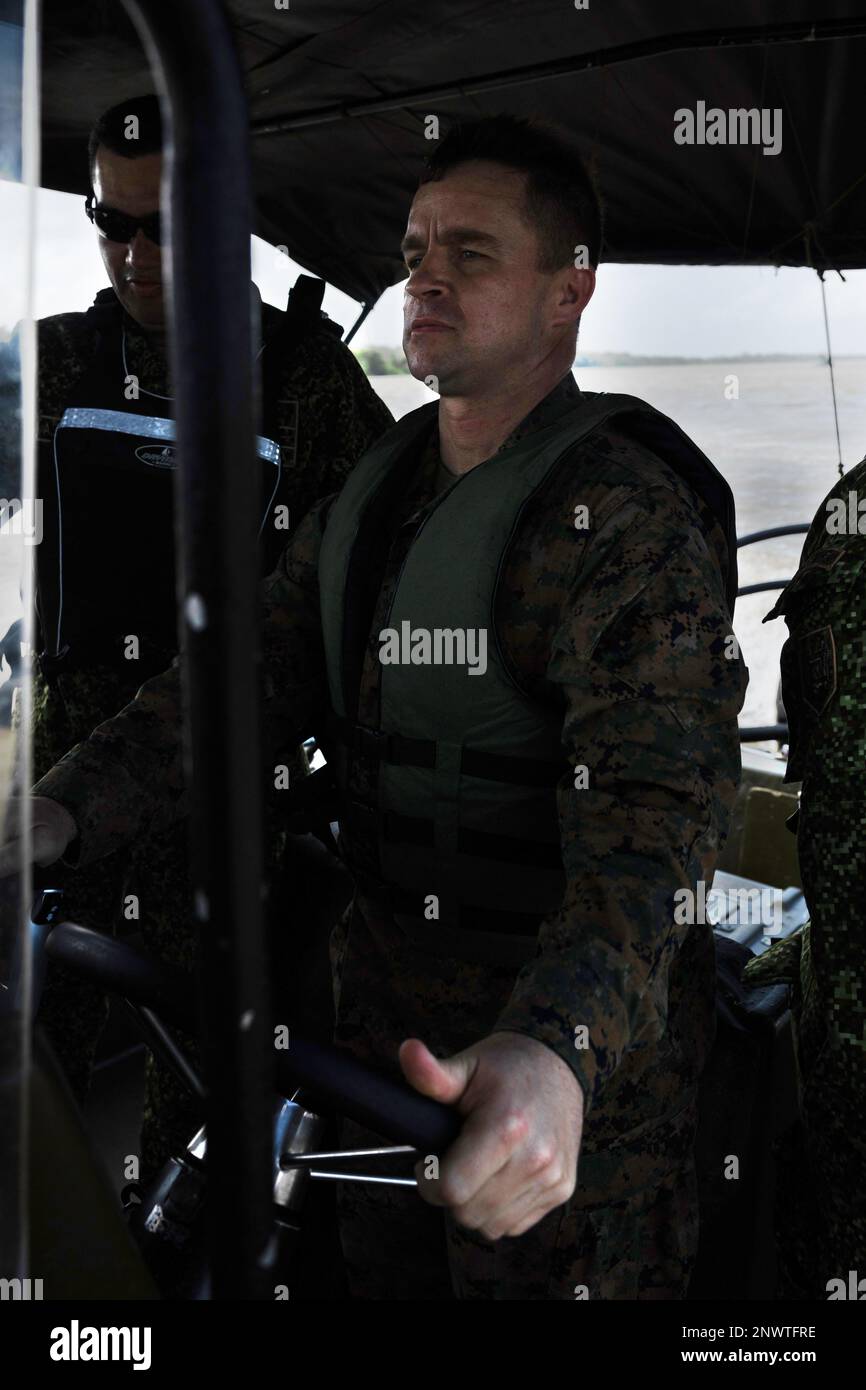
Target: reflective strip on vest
148, 426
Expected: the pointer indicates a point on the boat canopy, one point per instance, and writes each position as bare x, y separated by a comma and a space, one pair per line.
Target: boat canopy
340, 96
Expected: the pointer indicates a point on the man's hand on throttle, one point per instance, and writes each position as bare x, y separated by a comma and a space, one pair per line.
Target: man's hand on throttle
516, 1156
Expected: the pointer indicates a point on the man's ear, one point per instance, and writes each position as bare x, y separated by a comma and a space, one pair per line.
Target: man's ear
573, 291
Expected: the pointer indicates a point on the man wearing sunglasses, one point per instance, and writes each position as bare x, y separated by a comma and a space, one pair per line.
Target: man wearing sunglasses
106, 617
129, 242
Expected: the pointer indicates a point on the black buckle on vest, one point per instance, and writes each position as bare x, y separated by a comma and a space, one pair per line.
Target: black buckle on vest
377, 746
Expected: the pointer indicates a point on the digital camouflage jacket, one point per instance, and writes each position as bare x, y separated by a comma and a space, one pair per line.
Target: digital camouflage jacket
824, 692
626, 628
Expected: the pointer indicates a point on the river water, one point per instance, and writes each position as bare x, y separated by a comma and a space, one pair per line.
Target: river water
775, 443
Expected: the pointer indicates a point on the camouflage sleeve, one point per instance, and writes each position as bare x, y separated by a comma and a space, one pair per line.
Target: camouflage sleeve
341, 417
824, 681
129, 777
651, 702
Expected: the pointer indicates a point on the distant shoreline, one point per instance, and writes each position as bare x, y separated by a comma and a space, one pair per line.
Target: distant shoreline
623, 359
384, 361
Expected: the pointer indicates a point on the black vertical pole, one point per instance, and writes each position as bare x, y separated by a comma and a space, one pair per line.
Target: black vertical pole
192, 54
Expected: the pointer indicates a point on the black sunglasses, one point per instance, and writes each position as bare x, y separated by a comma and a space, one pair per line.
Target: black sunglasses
119, 226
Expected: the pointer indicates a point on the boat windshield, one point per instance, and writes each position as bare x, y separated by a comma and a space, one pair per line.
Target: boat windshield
19, 532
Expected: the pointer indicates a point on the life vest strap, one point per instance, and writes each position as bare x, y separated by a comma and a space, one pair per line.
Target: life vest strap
418, 830
400, 751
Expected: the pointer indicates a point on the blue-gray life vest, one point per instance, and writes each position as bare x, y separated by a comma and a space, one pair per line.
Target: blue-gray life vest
106, 566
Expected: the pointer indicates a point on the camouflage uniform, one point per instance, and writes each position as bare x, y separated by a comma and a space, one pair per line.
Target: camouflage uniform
629, 642
325, 415
822, 1211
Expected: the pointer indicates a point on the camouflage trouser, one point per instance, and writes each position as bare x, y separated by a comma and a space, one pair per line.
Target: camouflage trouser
641, 1245
821, 1200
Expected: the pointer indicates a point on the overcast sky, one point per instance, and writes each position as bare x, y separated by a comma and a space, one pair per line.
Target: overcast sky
688, 311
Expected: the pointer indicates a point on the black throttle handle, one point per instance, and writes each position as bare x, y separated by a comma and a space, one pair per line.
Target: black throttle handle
384, 1104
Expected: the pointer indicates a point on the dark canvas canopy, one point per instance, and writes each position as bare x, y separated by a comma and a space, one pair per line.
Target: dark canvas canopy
339, 91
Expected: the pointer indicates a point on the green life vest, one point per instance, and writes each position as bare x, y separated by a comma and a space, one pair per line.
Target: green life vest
462, 830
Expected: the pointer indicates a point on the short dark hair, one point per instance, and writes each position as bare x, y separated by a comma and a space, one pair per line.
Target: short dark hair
562, 200
110, 130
